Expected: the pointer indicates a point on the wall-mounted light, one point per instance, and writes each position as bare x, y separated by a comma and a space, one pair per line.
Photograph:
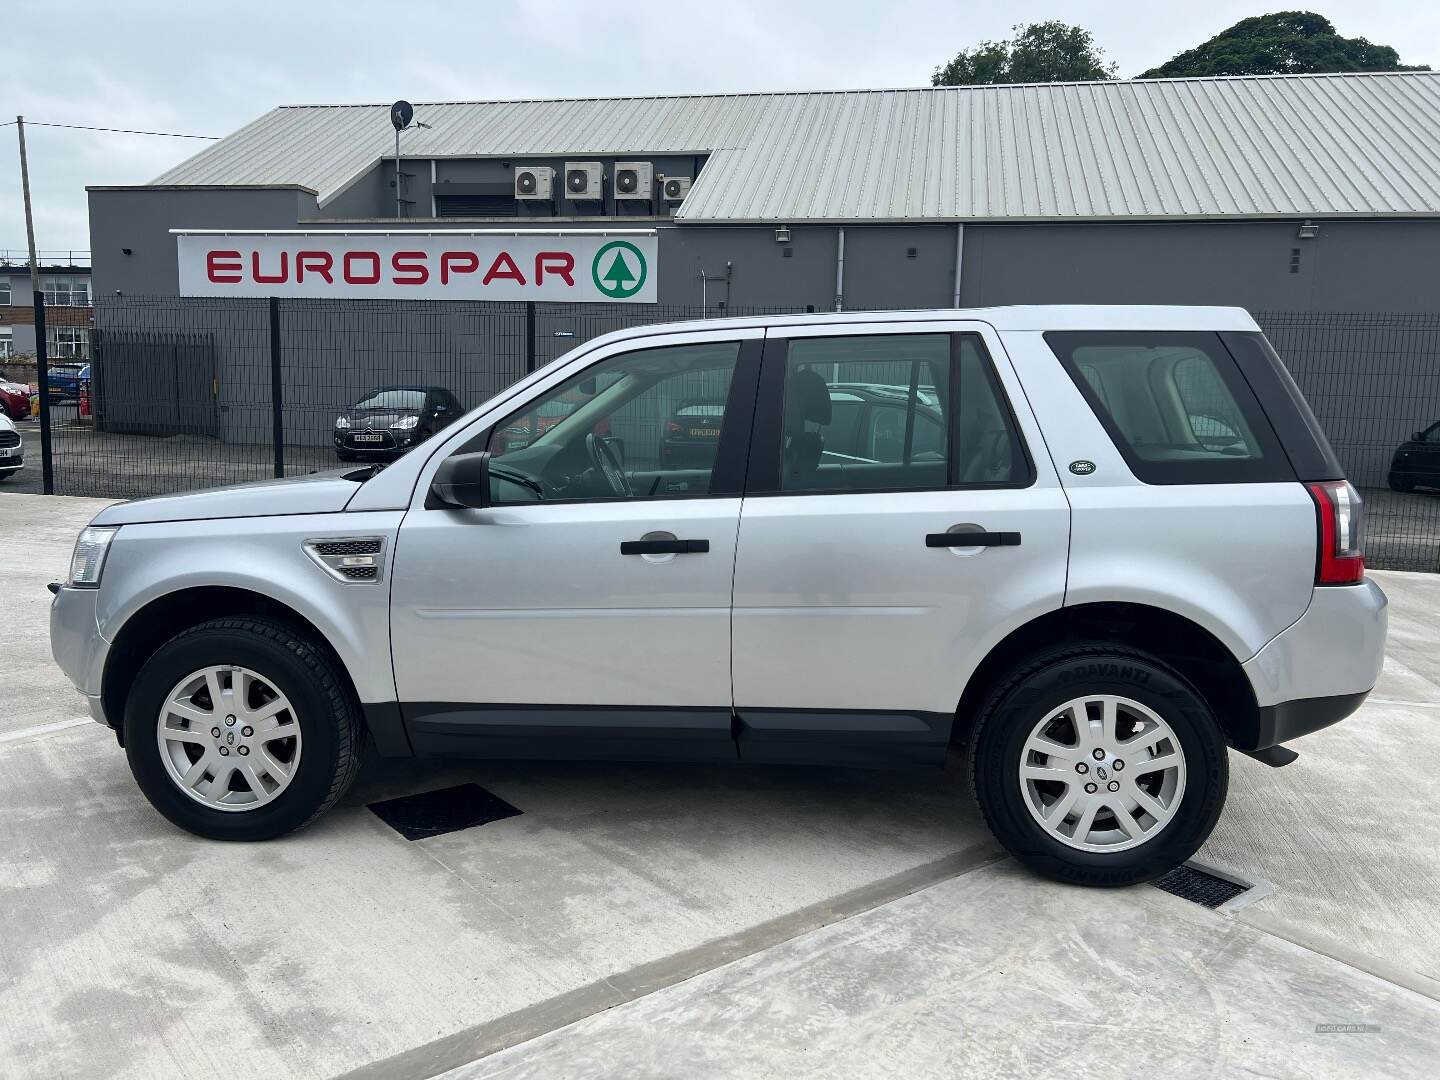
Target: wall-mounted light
1309, 230
782, 234
125, 251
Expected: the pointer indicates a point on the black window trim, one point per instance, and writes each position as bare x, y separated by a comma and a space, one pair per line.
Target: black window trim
1274, 464
727, 478
767, 438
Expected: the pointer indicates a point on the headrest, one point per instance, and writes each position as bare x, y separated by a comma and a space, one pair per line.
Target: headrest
808, 398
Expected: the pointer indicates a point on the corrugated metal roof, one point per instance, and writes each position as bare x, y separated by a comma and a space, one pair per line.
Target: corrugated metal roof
1362, 144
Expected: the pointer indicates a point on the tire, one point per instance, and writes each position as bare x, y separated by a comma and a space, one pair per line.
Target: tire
325, 747
1397, 484
1033, 692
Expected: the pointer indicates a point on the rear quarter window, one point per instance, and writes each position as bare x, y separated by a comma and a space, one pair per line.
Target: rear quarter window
1175, 404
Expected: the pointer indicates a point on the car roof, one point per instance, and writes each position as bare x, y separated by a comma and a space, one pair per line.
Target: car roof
1024, 317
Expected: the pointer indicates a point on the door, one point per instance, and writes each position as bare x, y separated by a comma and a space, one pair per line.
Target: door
858, 613
586, 612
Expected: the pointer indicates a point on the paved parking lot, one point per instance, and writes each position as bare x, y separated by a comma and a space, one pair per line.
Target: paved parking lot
663, 921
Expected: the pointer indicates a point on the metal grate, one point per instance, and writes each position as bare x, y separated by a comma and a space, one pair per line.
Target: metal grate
359, 573
348, 547
9, 438
435, 813
1199, 887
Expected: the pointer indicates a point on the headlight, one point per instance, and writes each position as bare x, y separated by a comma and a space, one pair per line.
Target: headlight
342, 422
406, 423
88, 561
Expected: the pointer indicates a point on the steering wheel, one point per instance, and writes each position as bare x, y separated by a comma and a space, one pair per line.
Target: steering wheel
602, 456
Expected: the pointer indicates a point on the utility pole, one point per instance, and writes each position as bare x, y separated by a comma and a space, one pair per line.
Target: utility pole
42, 366
29, 217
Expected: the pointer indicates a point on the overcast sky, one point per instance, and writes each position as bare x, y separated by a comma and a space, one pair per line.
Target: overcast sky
207, 67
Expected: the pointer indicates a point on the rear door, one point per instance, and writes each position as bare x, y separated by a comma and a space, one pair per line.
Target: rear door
858, 614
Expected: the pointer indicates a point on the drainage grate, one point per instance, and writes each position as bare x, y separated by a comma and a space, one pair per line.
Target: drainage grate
1199, 887
445, 810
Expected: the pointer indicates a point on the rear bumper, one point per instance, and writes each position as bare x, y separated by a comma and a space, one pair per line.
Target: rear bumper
1319, 670
1291, 719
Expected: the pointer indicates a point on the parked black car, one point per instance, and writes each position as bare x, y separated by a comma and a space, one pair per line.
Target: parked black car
1417, 461
389, 420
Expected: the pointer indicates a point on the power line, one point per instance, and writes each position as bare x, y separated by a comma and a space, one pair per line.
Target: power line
118, 131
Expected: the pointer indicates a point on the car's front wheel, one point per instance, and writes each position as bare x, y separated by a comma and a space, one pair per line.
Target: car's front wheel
1099, 765
242, 729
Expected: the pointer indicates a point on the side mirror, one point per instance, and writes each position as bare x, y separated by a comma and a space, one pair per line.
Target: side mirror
1419, 436
463, 482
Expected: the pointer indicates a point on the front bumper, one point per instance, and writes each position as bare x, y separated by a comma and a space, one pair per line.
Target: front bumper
1320, 669
76, 644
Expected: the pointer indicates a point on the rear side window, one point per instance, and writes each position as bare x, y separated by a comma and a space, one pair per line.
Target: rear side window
894, 413
1176, 406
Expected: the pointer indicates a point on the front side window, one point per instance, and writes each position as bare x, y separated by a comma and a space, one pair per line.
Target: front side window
645, 424
1175, 404
895, 412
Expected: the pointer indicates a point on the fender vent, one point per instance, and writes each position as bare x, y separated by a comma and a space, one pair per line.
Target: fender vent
355, 560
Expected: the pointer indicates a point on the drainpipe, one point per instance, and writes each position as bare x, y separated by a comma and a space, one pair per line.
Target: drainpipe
959, 258
840, 270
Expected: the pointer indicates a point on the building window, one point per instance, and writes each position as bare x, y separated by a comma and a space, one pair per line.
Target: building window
7, 345
5, 291
70, 342
67, 291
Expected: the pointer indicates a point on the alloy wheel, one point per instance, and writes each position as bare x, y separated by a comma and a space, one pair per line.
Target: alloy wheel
229, 738
1102, 773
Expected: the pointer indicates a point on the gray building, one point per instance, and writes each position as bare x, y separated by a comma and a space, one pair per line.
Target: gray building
65, 284
1283, 193
1302, 198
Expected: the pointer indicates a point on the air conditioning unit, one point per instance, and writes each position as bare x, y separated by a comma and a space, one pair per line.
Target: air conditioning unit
583, 179
633, 180
534, 182
675, 188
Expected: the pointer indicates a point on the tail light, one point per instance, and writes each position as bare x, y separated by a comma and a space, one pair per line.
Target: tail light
672, 428
1341, 517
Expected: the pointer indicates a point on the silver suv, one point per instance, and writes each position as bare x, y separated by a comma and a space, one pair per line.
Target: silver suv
1093, 546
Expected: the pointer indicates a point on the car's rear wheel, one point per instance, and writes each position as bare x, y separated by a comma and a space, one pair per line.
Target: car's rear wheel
242, 729
1098, 765
1397, 484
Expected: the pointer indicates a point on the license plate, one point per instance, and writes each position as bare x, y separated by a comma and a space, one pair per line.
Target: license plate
10, 451
368, 438
704, 432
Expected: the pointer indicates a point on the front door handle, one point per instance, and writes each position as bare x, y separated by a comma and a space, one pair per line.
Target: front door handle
972, 539
664, 547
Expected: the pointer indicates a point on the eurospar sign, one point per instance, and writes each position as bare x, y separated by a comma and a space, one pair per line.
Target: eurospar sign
616, 266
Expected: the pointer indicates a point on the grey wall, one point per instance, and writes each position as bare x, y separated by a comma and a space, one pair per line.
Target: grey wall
1348, 266
140, 218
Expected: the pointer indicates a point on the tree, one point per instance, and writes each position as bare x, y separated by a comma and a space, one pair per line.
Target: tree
1041, 52
1285, 43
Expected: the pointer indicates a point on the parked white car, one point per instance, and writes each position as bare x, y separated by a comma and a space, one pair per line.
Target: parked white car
1095, 545
12, 448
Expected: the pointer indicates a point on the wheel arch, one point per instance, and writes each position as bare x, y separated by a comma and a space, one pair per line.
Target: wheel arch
1194, 652
165, 616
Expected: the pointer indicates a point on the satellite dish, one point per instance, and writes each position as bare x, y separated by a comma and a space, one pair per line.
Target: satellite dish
401, 113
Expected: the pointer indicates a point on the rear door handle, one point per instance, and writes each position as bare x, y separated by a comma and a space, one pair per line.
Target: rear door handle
972, 539
664, 547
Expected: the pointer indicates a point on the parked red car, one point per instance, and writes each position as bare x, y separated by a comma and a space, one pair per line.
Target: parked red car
15, 400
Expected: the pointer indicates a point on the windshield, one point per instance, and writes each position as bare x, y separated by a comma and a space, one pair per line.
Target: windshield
393, 397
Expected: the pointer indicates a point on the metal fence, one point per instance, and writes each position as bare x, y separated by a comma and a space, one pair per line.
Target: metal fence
193, 392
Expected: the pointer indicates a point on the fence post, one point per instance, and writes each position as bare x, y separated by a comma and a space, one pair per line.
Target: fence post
277, 399
529, 336
42, 373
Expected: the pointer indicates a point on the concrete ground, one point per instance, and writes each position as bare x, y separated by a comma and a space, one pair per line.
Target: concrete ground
664, 921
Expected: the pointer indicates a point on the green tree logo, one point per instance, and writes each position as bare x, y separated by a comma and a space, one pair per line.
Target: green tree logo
618, 269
